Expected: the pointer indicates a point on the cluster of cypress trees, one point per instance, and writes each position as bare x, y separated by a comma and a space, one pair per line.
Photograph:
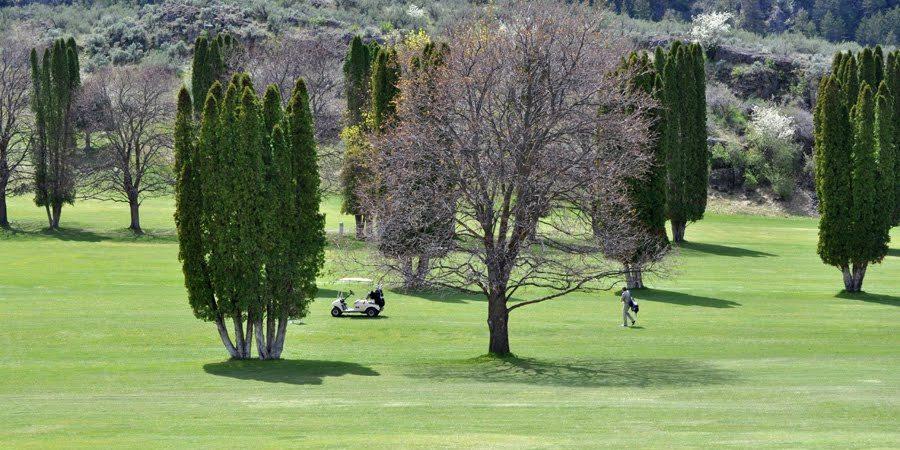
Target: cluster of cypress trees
247, 210
55, 78
856, 156
682, 133
209, 65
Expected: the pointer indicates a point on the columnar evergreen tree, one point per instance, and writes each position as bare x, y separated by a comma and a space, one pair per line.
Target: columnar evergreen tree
209, 65
833, 139
357, 71
357, 78
855, 165
683, 134
385, 78
647, 194
250, 233
309, 237
885, 149
892, 78
55, 79
865, 223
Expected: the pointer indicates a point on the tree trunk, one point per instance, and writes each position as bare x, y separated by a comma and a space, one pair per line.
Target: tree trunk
859, 273
87, 141
279, 337
56, 213
239, 340
261, 344
634, 278
848, 278
248, 335
270, 329
49, 216
4, 219
226, 340
498, 319
135, 217
360, 226
678, 227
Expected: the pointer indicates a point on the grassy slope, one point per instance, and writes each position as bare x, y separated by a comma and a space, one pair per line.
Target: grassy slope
746, 345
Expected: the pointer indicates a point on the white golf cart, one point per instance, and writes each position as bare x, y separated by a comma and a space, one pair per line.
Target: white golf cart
371, 306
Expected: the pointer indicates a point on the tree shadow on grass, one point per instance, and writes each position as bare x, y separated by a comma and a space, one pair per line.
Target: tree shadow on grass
579, 373
894, 252
883, 299
723, 250
450, 297
678, 298
62, 234
290, 371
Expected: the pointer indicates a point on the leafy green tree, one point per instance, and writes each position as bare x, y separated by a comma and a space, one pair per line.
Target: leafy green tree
55, 79
683, 135
868, 72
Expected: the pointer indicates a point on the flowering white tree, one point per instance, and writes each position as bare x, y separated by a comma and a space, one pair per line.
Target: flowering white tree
709, 28
768, 122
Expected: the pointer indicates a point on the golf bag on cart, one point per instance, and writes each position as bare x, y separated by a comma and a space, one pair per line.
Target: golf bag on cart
377, 296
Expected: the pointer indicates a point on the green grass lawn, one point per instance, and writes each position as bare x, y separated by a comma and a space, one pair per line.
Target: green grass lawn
747, 343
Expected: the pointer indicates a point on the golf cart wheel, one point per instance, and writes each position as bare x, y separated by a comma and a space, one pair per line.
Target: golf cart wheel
336, 312
371, 312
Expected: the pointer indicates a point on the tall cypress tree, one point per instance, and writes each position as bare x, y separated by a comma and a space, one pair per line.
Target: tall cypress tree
683, 135
55, 78
892, 78
865, 223
209, 65
833, 177
385, 77
357, 71
310, 235
648, 194
868, 72
885, 150
357, 79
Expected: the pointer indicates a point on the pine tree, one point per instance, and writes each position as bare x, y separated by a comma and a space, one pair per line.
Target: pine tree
55, 78
752, 16
357, 76
850, 80
208, 66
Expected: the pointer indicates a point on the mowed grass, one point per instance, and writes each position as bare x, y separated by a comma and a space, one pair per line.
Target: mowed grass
747, 343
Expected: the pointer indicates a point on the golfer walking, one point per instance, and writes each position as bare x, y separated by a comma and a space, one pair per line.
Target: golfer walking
626, 306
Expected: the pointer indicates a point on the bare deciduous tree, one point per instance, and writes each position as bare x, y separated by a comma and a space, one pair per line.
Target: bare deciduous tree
514, 137
14, 127
315, 57
135, 159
